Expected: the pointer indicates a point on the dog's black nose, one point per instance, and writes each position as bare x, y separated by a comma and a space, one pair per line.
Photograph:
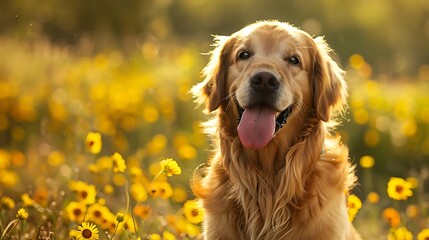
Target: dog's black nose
265, 82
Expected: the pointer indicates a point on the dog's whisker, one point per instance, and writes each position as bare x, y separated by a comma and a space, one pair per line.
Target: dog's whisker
226, 97
231, 97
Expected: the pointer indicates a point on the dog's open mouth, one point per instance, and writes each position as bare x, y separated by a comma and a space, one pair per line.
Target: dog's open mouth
257, 125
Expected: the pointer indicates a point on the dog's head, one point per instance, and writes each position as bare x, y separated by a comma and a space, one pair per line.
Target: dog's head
268, 72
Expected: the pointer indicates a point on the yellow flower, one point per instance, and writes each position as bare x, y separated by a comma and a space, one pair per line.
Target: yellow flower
73, 234
179, 194
356, 61
93, 142
413, 211
143, 211
138, 192
56, 158
373, 197
160, 189
22, 214
154, 236
118, 163
92, 168
8, 178
76, 211
399, 189
187, 151
41, 196
367, 161
150, 114
97, 213
4, 159
423, 234
85, 192
108, 189
183, 226
353, 206
400, 233
392, 217
157, 144
193, 211
129, 224
155, 169
17, 158
413, 181
136, 172
172, 221
193, 230
108, 222
168, 236
104, 163
170, 167
119, 179
124, 222
26, 200
87, 231
7, 202
101, 201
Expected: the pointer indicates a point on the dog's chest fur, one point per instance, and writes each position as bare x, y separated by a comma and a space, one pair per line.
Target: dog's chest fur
271, 204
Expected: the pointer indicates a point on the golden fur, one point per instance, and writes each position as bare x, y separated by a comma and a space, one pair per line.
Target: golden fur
296, 186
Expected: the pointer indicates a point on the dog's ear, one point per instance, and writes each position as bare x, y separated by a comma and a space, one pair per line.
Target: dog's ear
329, 86
213, 89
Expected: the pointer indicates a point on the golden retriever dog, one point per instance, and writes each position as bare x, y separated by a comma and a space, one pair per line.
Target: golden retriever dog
277, 171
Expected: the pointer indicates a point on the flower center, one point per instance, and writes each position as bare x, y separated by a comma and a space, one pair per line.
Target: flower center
97, 214
77, 212
86, 233
195, 212
84, 194
399, 189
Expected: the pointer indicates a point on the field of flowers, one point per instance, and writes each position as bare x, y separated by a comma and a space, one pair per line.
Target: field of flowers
102, 145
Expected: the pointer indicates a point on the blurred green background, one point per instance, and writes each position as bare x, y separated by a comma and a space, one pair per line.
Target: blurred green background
392, 35
124, 68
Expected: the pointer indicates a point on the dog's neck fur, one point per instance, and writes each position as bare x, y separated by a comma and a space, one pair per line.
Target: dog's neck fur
278, 179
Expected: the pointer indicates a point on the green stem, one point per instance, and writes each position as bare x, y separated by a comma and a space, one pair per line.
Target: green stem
127, 196
114, 231
22, 229
157, 175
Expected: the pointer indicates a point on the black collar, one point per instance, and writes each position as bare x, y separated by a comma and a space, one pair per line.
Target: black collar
282, 118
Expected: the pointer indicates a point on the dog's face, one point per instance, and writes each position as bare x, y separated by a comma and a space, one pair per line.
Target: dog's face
268, 68
268, 72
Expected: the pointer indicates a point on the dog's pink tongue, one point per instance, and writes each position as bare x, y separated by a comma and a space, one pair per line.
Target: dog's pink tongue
257, 127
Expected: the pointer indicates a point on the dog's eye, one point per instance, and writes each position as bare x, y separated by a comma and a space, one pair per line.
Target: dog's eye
243, 55
294, 60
